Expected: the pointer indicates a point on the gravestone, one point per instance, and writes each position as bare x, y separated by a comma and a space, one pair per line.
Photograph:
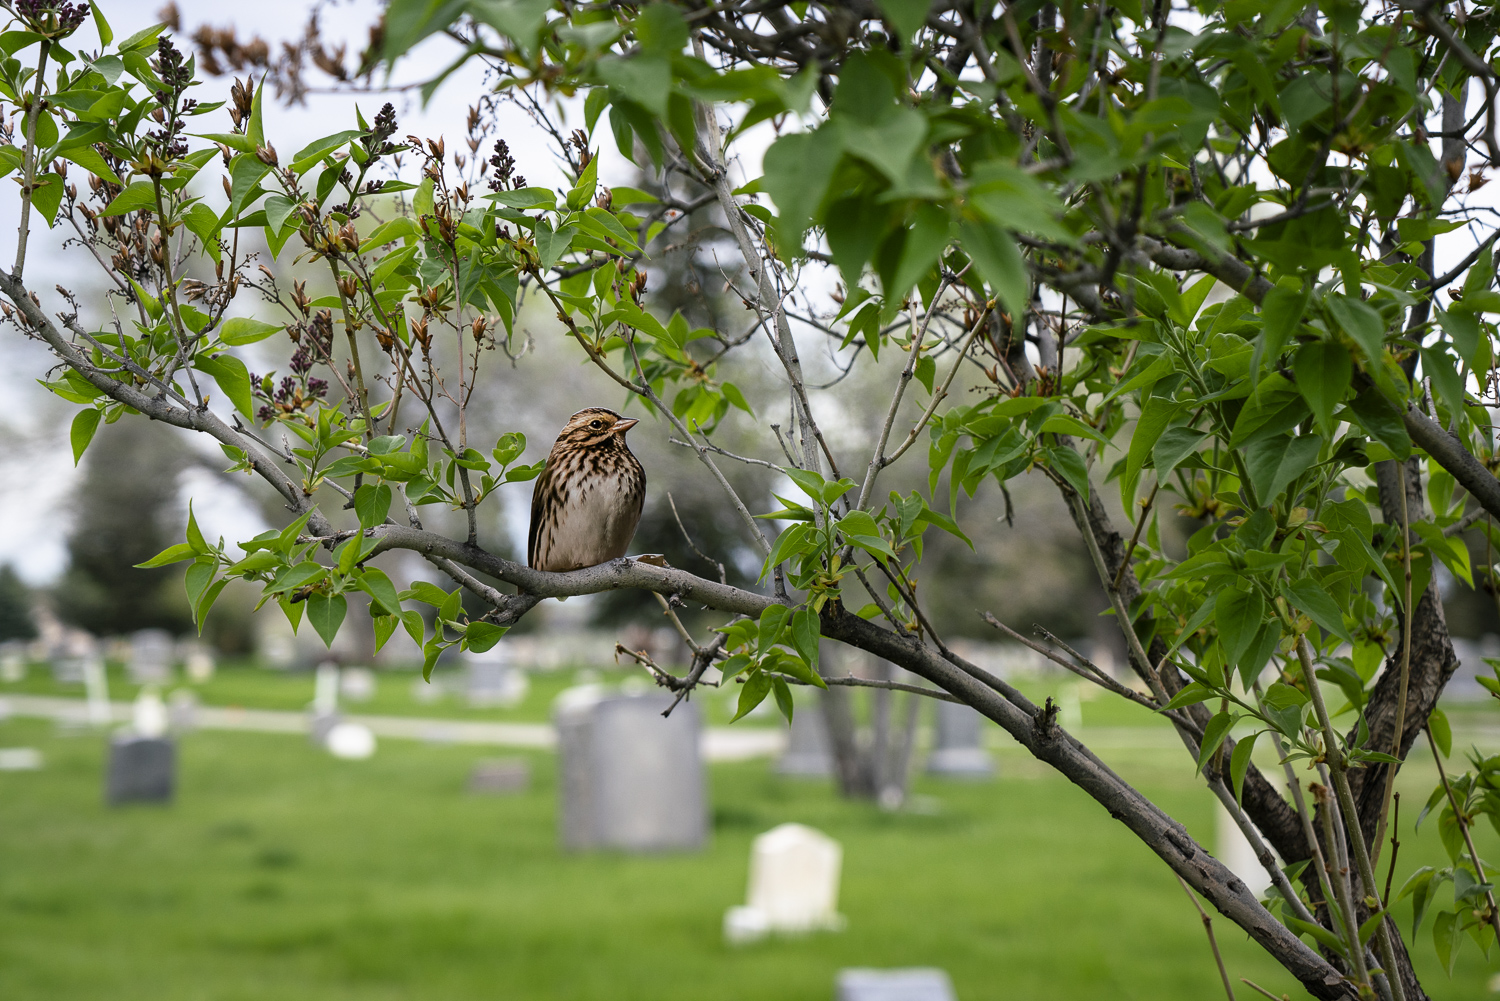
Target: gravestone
197, 661
324, 711
630, 779
958, 743
96, 689
498, 776
357, 684
808, 750
1235, 851
12, 662
350, 741
794, 885
918, 983
491, 680
148, 714
182, 710
152, 654
20, 759
141, 770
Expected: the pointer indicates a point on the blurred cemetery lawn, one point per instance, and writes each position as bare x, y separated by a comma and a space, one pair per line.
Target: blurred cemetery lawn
284, 873
242, 683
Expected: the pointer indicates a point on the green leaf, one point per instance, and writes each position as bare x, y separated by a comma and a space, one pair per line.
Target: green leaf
1239, 763
906, 16
1190, 695
233, 378
140, 195
752, 693
1070, 466
378, 586
239, 330
1323, 370
326, 613
999, 262
1446, 934
798, 168
171, 554
1442, 731
1308, 596
783, 697
772, 621
806, 630
1281, 315
1382, 421
1213, 736
1238, 614
1362, 323
372, 502
482, 636
1274, 462
1174, 445
82, 431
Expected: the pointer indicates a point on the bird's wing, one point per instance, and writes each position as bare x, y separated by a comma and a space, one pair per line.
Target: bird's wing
537, 493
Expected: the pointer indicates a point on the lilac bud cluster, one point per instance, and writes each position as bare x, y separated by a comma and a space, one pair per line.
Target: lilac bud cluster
374, 141
52, 18
299, 390
505, 167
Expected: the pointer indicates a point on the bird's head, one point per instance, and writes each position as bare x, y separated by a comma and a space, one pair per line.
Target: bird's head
596, 426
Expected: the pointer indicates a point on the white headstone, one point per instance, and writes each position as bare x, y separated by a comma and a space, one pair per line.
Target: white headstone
197, 662
12, 663
96, 689
152, 654
630, 778
794, 885
326, 688
20, 759
357, 684
958, 743
1236, 852
148, 717
920, 983
351, 741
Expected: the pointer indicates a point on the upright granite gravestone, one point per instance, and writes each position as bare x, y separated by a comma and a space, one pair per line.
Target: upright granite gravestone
958, 743
141, 770
142, 760
808, 751
491, 680
152, 654
917, 983
629, 778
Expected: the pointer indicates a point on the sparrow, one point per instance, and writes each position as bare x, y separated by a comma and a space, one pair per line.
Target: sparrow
587, 503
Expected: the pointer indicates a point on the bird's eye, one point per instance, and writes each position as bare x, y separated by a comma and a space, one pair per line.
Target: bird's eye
596, 425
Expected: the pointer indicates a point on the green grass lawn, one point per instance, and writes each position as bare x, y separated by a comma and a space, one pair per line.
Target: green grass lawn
283, 873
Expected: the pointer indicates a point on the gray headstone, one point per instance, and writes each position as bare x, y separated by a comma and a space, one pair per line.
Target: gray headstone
807, 747
152, 654
918, 983
958, 743
68, 670
497, 776
491, 682
141, 770
630, 779
319, 724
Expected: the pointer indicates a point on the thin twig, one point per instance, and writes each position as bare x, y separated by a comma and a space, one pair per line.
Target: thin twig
1208, 929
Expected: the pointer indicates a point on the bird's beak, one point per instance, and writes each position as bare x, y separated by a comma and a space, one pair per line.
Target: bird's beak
622, 426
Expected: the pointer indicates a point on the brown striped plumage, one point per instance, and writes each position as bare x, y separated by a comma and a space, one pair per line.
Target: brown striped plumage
587, 502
